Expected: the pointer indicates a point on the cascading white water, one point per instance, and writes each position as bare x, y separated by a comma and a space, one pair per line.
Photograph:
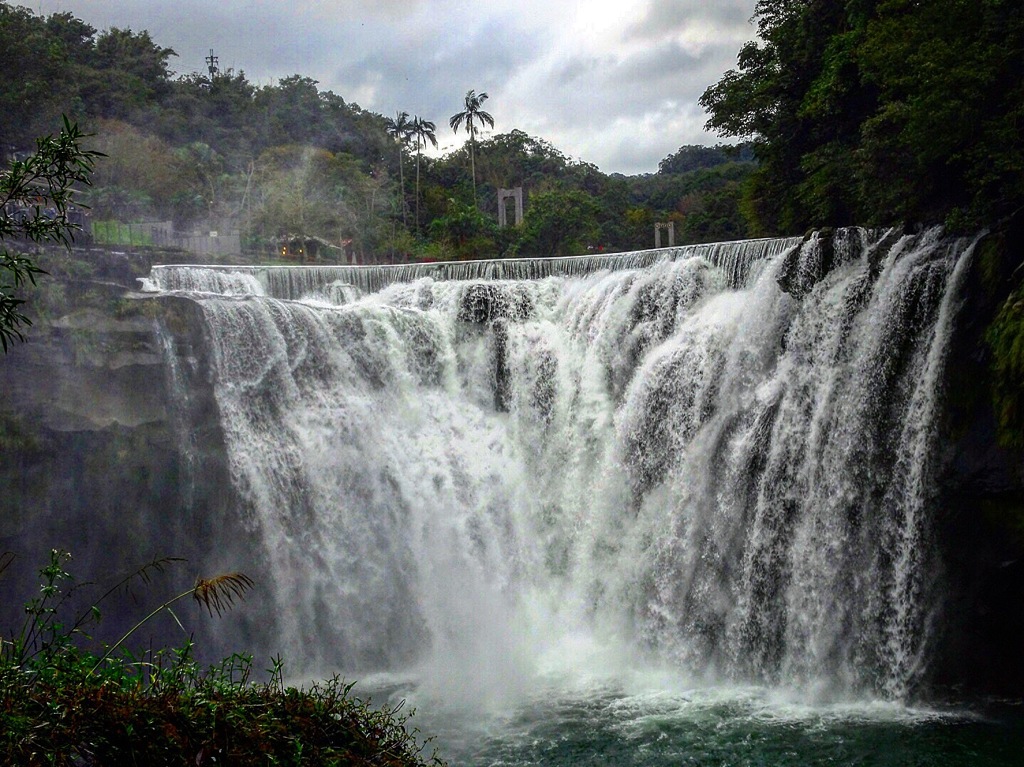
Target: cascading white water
674, 459
737, 259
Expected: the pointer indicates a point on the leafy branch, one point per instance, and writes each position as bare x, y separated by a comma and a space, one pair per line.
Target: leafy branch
36, 195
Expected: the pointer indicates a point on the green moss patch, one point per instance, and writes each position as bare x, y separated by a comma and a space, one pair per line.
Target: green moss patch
1005, 338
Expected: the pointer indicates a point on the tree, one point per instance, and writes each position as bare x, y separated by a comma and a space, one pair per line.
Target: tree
560, 223
689, 158
522, 159
35, 203
130, 74
423, 131
472, 114
203, 183
220, 111
304, 192
879, 112
32, 70
765, 98
401, 130
289, 112
140, 176
466, 232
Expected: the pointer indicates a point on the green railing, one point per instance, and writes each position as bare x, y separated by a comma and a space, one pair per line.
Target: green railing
117, 233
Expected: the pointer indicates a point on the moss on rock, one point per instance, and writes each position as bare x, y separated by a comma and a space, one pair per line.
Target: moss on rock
1005, 339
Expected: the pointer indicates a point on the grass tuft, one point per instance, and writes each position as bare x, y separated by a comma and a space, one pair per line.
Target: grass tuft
218, 594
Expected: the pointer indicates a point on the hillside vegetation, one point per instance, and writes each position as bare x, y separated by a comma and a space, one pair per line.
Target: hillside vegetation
879, 112
290, 163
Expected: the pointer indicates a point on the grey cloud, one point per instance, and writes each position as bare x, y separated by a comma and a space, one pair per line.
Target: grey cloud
622, 106
668, 17
431, 80
580, 70
666, 72
667, 59
638, 110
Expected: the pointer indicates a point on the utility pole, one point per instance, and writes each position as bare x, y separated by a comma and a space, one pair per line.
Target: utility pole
211, 64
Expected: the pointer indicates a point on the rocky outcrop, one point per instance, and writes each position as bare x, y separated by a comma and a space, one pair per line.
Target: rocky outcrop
484, 302
980, 514
495, 305
97, 455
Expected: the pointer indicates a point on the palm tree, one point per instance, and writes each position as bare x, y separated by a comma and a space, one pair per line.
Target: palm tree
471, 115
423, 131
400, 129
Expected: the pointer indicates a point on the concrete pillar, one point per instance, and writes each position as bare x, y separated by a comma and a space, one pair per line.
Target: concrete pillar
670, 226
516, 193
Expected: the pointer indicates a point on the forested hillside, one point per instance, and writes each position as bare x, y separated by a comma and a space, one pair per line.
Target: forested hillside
869, 112
289, 164
879, 112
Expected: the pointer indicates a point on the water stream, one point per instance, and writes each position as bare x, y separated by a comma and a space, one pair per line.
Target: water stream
638, 509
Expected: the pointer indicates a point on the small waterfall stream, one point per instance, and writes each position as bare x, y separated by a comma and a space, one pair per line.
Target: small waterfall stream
470, 472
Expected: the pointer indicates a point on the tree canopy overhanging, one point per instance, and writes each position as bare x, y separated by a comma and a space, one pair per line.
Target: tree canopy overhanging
878, 112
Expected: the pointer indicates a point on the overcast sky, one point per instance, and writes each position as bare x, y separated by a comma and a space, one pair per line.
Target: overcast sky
612, 82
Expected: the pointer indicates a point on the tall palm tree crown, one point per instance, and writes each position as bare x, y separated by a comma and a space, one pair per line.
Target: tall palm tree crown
471, 115
401, 130
423, 131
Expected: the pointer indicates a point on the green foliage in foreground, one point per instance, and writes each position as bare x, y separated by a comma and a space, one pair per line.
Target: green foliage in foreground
61, 704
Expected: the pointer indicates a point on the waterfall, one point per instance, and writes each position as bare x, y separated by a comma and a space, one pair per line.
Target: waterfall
719, 458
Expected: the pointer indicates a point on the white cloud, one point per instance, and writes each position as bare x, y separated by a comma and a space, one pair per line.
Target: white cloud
613, 82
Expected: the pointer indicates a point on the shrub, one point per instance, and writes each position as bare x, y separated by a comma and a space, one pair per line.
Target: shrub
62, 703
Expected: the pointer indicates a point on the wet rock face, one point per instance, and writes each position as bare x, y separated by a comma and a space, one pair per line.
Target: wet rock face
484, 302
806, 265
495, 305
826, 249
94, 453
980, 517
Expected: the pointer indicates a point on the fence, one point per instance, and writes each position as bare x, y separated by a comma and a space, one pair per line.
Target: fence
162, 234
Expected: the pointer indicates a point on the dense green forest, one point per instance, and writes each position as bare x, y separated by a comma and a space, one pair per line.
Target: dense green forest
870, 112
876, 112
288, 161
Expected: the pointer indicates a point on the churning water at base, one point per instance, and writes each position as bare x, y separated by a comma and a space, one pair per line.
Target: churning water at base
521, 493
656, 721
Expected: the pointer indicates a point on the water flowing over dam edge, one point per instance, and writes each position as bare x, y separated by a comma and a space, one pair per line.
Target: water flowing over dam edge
294, 282
732, 467
752, 427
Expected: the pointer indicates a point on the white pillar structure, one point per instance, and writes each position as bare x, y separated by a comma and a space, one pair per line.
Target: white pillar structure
670, 226
516, 193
